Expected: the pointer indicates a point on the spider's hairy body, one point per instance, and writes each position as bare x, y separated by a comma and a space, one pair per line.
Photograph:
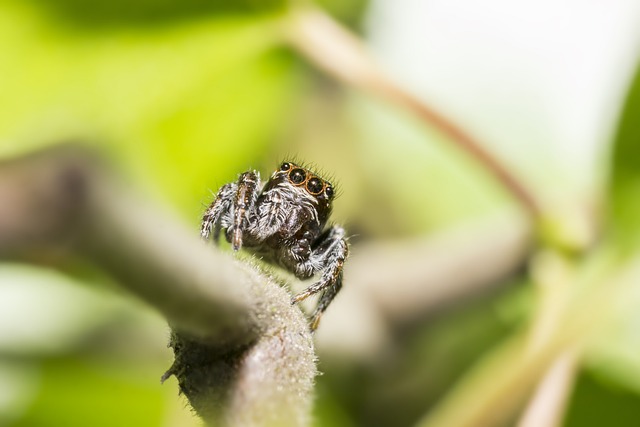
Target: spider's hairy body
284, 222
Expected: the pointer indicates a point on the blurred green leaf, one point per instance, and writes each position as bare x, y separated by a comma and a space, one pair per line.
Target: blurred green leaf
137, 12
614, 354
19, 381
417, 181
182, 106
599, 402
625, 172
78, 392
411, 378
349, 12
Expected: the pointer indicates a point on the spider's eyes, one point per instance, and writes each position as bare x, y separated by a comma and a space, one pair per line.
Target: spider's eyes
314, 186
297, 176
329, 191
285, 166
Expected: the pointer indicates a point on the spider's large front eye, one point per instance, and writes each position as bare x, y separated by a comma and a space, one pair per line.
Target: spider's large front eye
297, 176
285, 166
314, 186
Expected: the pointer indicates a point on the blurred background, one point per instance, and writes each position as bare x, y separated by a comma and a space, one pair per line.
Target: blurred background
184, 95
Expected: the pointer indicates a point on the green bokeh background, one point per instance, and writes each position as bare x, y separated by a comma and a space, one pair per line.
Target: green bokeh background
181, 96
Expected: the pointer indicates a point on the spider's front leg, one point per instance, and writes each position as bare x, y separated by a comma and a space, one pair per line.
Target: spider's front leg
230, 209
328, 256
218, 213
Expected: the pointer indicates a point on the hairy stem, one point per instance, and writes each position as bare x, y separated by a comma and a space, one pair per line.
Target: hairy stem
240, 347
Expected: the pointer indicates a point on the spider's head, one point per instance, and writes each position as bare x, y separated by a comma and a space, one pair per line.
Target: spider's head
305, 180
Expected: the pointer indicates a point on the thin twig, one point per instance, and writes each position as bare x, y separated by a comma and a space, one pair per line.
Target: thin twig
342, 55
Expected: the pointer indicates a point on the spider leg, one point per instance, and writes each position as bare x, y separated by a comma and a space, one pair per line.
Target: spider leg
216, 212
245, 200
325, 299
328, 256
230, 208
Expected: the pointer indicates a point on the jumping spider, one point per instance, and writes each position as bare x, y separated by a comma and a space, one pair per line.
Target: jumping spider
284, 223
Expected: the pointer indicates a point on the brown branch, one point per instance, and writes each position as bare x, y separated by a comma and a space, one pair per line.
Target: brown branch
244, 355
343, 56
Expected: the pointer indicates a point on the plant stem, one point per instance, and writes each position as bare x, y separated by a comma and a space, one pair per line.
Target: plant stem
342, 55
499, 384
244, 354
547, 406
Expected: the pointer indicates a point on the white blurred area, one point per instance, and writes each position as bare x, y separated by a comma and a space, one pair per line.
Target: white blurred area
539, 82
43, 312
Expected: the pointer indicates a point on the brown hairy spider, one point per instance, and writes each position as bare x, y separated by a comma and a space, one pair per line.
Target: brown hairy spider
284, 223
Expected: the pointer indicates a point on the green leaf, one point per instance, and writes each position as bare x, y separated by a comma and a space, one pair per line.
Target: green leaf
183, 106
137, 12
80, 392
597, 401
624, 194
425, 184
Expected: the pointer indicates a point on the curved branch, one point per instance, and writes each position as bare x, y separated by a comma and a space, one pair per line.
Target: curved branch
229, 320
342, 55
